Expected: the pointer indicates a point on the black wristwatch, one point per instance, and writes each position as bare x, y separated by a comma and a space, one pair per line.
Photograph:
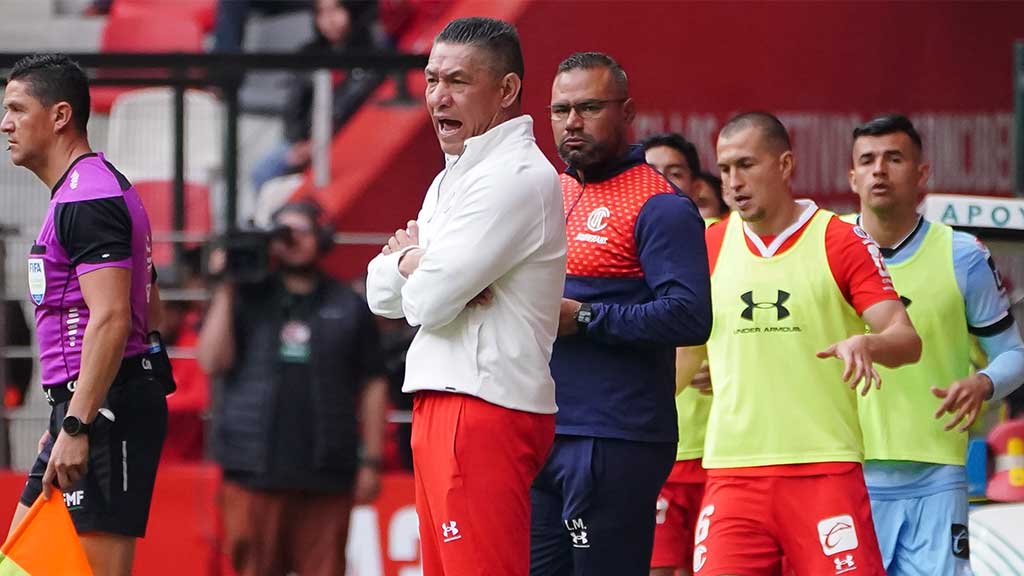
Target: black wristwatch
73, 426
583, 316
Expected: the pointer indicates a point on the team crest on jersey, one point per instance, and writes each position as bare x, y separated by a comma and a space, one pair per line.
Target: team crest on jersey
597, 219
36, 279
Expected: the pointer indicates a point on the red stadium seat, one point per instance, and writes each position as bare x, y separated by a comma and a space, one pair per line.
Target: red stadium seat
158, 198
1006, 445
202, 12
143, 34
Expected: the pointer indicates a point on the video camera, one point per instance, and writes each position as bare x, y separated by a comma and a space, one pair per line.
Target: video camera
247, 253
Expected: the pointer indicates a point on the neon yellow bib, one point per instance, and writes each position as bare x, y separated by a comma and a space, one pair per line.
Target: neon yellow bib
898, 422
693, 409
775, 402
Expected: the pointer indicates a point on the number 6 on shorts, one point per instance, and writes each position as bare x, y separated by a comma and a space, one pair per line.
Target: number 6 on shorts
700, 551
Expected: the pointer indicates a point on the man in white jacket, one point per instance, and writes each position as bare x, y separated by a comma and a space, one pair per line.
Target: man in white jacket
481, 272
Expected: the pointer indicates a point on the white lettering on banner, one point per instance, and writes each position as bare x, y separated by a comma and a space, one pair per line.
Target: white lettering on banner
967, 152
364, 552
971, 153
975, 211
404, 535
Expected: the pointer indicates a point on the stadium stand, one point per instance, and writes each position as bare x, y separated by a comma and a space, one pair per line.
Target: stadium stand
143, 34
380, 173
202, 12
141, 138
266, 92
158, 198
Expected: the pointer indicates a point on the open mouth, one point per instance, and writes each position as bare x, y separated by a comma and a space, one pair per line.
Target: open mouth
447, 126
741, 201
880, 187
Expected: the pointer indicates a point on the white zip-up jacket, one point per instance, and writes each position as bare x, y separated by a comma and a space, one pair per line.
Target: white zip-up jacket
493, 218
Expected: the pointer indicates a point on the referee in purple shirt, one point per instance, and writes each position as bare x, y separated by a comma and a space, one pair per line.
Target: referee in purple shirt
91, 281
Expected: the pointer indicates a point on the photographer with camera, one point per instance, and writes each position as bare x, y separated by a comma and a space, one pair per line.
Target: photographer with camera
299, 359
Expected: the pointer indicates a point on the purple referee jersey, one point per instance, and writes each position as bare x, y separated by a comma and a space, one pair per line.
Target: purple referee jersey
95, 220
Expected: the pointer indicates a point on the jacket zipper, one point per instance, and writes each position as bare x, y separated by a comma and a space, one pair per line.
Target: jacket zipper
440, 185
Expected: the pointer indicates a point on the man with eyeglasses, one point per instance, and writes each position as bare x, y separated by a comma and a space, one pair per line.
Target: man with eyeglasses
636, 287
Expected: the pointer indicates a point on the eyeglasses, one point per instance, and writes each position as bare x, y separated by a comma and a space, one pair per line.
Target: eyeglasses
587, 109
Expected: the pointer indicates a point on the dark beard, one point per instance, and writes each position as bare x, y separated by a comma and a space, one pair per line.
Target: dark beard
587, 158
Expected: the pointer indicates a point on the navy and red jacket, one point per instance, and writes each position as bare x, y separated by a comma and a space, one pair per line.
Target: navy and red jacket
636, 254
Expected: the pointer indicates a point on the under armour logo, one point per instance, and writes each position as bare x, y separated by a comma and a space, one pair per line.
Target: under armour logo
748, 299
450, 531
844, 565
578, 531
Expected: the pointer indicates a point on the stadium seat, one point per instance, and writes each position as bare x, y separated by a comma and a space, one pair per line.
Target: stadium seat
1006, 445
142, 34
158, 198
140, 140
202, 12
266, 91
273, 195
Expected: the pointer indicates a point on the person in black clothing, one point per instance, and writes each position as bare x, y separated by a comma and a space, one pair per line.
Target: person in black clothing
396, 337
301, 368
341, 25
232, 15
17, 371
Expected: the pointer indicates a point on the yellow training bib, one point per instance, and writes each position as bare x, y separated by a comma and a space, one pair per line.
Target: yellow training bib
898, 422
775, 402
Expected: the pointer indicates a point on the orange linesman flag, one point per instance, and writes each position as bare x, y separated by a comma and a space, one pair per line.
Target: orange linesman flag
45, 543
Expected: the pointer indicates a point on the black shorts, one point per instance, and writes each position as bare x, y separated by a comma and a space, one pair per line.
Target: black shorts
125, 440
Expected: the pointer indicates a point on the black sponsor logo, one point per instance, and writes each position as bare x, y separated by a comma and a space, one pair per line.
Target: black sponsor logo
961, 542
780, 299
